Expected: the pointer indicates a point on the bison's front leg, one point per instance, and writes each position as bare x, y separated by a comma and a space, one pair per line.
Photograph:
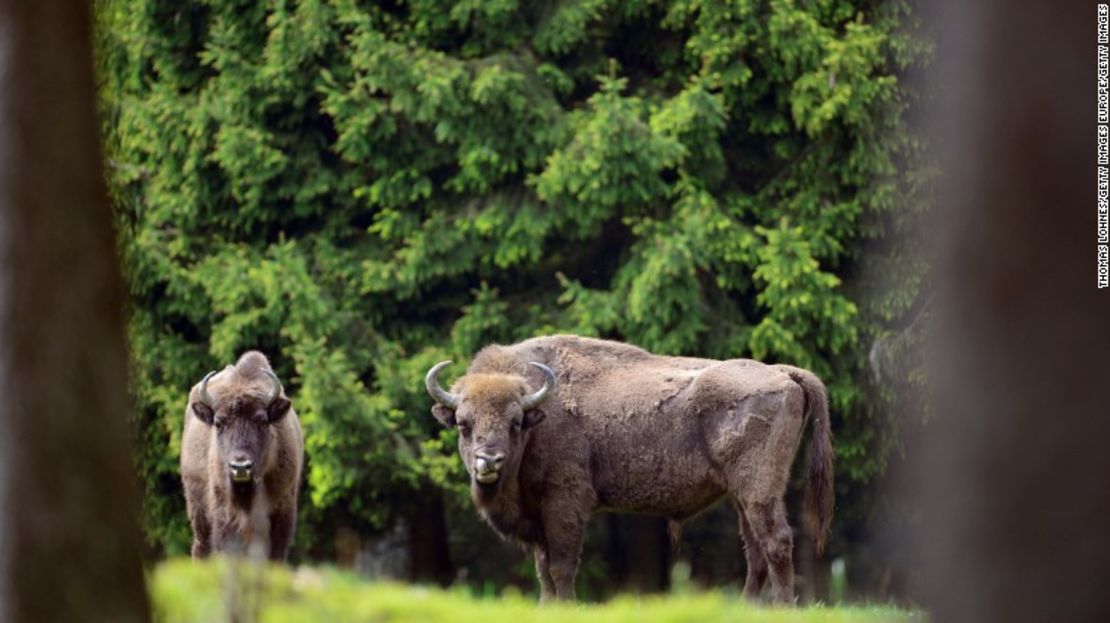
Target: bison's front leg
564, 526
282, 525
543, 572
202, 538
198, 518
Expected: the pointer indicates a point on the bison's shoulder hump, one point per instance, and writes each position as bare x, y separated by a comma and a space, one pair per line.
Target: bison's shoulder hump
252, 363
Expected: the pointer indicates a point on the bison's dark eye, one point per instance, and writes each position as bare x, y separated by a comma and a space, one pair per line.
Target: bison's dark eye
464, 428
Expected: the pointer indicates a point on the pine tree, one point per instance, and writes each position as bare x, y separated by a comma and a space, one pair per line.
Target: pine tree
362, 189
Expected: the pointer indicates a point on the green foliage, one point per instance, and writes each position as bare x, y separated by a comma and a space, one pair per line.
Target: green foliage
361, 189
185, 592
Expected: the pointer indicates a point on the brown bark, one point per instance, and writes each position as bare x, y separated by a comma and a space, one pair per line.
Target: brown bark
69, 539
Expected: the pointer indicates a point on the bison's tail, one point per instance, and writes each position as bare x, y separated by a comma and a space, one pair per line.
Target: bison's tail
819, 482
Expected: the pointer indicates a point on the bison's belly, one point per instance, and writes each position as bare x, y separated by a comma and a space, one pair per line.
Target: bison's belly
656, 480
664, 436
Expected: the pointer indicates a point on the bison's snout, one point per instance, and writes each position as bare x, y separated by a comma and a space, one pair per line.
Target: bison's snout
240, 470
487, 466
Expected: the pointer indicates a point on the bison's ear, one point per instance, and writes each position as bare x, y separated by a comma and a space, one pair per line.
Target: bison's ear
278, 408
444, 415
203, 412
531, 418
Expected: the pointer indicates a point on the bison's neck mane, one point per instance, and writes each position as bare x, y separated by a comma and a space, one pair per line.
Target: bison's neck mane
242, 495
505, 510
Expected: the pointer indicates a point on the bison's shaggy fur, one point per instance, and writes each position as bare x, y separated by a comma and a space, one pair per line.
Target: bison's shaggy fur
244, 423
626, 430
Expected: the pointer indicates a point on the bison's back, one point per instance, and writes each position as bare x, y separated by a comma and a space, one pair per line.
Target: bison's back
608, 380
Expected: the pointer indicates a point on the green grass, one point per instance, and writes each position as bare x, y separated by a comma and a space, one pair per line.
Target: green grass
187, 592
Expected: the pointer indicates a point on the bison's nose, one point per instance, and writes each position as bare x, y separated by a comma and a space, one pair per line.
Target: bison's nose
240, 470
486, 466
492, 460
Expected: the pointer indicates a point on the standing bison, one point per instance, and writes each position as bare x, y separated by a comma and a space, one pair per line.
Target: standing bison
241, 457
556, 428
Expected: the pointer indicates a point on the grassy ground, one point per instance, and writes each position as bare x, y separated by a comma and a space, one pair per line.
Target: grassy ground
187, 592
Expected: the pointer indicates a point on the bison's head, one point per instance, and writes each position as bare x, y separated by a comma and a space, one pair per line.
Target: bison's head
494, 413
242, 421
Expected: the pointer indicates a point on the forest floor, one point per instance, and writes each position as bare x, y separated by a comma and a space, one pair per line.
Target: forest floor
186, 592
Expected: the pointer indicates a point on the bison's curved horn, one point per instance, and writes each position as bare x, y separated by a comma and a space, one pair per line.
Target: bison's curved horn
277, 386
442, 396
531, 401
205, 397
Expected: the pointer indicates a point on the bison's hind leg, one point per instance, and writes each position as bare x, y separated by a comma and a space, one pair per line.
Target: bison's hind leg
755, 556
758, 481
767, 521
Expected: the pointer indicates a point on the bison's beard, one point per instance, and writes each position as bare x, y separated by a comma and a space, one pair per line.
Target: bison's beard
500, 505
486, 490
242, 493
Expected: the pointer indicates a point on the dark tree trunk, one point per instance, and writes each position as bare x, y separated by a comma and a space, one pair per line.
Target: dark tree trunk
429, 554
649, 554
811, 581
69, 535
1017, 472
638, 552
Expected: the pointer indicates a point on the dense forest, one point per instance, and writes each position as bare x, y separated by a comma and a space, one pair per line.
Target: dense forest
363, 189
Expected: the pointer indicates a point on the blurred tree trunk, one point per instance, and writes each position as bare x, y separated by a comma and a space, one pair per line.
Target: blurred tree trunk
69, 535
638, 552
429, 555
649, 554
812, 581
1016, 473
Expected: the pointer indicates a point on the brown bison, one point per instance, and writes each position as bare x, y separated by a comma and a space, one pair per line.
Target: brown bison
241, 457
612, 427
